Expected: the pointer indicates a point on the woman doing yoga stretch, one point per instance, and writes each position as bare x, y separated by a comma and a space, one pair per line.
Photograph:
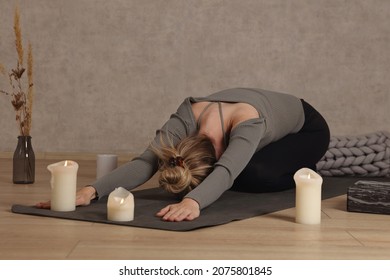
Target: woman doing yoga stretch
242, 139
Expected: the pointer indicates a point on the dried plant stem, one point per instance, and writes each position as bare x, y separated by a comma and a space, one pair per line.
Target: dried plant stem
30, 93
18, 37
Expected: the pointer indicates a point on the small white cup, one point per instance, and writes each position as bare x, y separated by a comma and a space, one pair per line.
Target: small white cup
105, 163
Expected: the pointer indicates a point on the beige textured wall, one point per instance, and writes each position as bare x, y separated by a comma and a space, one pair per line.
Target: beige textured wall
108, 73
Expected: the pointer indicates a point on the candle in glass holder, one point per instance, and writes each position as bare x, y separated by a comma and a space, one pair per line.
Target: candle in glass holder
120, 205
308, 197
63, 185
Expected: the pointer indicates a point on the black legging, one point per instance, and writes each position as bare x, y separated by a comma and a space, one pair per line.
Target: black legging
272, 168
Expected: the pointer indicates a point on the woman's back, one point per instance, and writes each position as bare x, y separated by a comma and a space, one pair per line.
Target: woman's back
217, 119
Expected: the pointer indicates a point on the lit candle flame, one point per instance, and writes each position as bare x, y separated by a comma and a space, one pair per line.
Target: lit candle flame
308, 176
66, 163
122, 201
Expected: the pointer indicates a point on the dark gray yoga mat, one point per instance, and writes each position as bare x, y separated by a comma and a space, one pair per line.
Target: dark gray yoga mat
231, 206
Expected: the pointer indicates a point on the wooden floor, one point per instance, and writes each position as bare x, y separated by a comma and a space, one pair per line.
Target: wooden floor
342, 235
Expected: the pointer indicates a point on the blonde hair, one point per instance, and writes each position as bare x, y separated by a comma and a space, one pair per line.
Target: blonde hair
185, 166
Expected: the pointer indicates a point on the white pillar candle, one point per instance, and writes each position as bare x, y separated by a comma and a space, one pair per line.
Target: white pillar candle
308, 197
105, 163
63, 185
120, 205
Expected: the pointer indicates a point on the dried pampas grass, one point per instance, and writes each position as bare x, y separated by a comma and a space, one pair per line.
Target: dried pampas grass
22, 94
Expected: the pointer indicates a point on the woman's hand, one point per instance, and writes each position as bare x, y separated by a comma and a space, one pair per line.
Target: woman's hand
83, 198
187, 209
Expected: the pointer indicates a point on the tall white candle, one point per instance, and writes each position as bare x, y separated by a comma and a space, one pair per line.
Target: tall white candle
308, 197
120, 205
63, 185
105, 163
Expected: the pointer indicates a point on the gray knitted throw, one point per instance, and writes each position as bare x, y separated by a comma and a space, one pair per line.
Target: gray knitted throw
365, 155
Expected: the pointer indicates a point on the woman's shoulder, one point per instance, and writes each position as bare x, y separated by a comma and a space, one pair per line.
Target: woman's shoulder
242, 112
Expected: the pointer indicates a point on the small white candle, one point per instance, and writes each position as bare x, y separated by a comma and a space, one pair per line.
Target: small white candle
105, 163
63, 185
308, 197
120, 205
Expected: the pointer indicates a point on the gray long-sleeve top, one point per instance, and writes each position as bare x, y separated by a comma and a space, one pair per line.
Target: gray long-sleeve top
280, 114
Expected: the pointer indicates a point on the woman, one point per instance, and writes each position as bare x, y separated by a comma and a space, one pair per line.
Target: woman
242, 139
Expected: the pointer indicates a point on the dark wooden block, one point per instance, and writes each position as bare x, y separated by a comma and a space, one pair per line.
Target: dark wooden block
369, 197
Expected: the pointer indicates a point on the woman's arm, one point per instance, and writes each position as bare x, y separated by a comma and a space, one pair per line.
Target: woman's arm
243, 142
129, 175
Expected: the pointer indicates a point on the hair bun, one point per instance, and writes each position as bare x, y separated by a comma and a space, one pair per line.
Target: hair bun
184, 166
176, 179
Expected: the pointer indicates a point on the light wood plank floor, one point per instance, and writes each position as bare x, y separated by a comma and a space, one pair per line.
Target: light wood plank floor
342, 235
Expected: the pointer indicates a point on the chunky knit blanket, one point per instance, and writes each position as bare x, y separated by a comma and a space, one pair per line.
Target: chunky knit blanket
365, 155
